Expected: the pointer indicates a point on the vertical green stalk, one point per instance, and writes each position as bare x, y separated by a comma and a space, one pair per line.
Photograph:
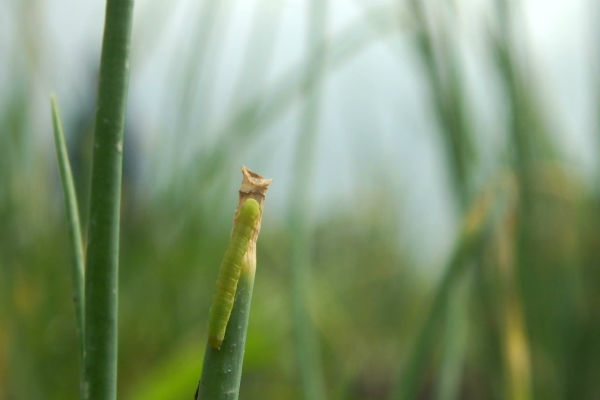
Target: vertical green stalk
413, 373
222, 370
101, 278
515, 347
519, 128
455, 341
306, 343
530, 139
439, 58
72, 211
473, 232
448, 98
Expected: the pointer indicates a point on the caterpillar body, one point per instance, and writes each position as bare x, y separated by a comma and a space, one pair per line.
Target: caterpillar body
230, 270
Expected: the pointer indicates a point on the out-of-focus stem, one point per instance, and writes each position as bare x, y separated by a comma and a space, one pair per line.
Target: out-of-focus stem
517, 365
307, 352
472, 234
440, 62
448, 99
455, 341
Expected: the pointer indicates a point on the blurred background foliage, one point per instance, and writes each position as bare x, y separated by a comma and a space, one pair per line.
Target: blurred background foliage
389, 120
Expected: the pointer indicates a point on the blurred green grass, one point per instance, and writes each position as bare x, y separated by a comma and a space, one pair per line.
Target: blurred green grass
367, 294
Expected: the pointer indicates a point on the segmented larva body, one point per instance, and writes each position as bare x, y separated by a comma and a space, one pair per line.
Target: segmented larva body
229, 273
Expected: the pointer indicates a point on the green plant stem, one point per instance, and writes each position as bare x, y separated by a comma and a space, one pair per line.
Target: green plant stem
448, 99
307, 351
455, 341
410, 382
438, 56
72, 211
222, 371
101, 278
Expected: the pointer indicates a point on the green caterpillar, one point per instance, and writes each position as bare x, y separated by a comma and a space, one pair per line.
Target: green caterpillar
230, 271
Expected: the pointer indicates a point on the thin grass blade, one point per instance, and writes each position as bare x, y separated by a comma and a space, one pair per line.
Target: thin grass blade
72, 212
